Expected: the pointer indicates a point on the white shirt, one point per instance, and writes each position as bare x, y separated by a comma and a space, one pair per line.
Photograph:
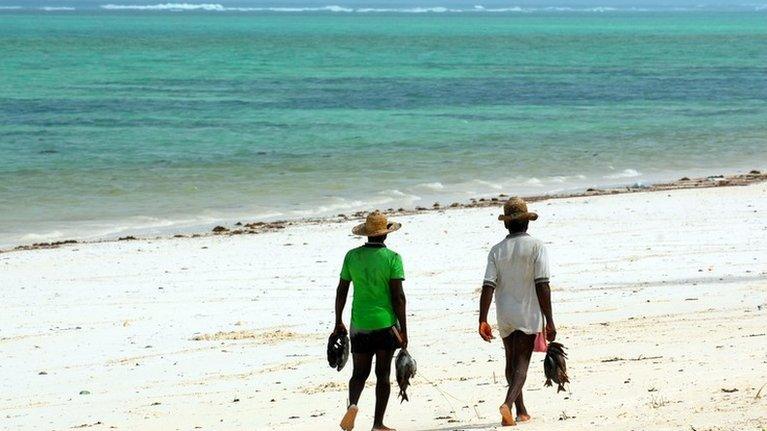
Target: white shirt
514, 265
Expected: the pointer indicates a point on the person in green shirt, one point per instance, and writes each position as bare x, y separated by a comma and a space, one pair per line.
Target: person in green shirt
378, 306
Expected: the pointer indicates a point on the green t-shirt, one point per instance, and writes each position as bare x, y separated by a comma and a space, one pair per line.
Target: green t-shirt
370, 268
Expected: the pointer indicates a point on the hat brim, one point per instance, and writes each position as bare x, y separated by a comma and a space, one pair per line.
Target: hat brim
361, 230
526, 216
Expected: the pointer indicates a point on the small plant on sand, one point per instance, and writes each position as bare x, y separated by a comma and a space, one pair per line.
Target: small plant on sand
658, 402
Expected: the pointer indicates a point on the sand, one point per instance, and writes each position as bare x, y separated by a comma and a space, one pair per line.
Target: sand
661, 298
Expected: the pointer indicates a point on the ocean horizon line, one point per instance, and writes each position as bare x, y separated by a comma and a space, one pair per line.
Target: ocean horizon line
340, 9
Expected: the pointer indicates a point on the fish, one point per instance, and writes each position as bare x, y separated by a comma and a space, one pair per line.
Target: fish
338, 351
555, 366
406, 368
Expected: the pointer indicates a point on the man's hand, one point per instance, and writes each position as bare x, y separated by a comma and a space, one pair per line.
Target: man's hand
551, 331
403, 339
340, 329
486, 331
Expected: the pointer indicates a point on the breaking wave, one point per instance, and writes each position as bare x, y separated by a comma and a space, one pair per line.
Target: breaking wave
216, 7
626, 173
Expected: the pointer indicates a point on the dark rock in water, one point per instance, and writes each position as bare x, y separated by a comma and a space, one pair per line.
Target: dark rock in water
455, 205
178, 235
436, 205
494, 199
47, 152
220, 229
684, 179
42, 373
755, 172
591, 189
420, 208
127, 238
85, 392
401, 210
239, 223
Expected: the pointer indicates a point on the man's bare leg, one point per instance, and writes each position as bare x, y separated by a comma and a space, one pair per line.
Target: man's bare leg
383, 388
519, 349
362, 363
519, 403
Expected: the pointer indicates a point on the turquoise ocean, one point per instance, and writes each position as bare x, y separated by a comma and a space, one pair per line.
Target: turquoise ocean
120, 117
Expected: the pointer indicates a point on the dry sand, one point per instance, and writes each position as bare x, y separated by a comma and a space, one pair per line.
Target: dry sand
661, 298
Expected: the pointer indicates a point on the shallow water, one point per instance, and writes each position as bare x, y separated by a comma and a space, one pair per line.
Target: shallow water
115, 121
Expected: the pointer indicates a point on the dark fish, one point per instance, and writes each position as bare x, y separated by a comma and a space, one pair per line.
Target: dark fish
406, 368
555, 366
338, 351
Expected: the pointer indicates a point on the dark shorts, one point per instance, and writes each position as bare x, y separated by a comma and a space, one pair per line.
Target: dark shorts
373, 341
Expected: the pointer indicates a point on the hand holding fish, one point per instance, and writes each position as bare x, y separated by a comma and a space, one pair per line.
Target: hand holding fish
551, 331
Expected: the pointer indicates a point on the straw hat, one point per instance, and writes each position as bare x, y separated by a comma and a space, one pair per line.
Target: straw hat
515, 209
375, 225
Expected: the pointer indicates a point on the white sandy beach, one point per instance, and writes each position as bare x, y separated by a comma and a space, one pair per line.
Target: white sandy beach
660, 297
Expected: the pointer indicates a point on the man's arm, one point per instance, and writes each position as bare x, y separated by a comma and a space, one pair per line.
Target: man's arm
342, 291
399, 304
485, 331
543, 291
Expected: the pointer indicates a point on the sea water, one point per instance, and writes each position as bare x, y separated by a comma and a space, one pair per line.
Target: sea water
121, 117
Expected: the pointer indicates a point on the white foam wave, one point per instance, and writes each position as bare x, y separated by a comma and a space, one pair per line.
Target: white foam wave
626, 173
431, 186
167, 6
10, 7
56, 8
216, 7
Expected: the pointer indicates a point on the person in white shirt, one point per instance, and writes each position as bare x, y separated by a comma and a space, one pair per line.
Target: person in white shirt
517, 275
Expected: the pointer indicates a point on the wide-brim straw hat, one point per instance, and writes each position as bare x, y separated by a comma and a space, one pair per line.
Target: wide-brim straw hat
376, 224
515, 209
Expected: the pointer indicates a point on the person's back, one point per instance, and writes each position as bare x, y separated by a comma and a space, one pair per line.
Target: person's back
378, 306
518, 263
370, 268
517, 275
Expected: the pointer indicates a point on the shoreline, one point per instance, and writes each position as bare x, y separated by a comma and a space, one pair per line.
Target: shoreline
258, 227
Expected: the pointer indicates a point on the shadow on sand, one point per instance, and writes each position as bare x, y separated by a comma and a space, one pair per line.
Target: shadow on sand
459, 427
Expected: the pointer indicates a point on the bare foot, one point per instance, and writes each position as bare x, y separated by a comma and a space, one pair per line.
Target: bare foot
347, 423
523, 418
506, 418
383, 428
